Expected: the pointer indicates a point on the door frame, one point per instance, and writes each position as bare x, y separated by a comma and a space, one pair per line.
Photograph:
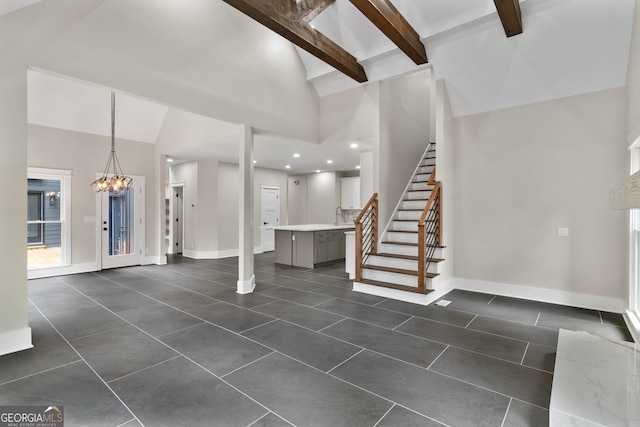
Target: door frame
174, 209
140, 222
262, 229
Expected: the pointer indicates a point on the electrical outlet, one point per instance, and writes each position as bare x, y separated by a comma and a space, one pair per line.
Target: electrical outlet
563, 232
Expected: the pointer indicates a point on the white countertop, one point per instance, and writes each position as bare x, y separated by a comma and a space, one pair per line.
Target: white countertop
315, 227
596, 382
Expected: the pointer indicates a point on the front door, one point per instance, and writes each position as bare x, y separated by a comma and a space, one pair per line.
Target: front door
270, 215
122, 226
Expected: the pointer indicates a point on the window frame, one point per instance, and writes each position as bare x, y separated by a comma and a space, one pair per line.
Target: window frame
64, 176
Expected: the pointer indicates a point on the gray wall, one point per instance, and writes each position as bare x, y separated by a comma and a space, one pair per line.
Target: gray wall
520, 173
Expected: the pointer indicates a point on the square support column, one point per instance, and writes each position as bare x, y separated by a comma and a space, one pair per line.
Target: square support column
246, 276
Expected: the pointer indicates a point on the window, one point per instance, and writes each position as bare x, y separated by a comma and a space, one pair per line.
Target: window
48, 243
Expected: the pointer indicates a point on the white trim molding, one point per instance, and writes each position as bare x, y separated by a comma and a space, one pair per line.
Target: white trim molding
62, 271
553, 296
226, 253
247, 286
17, 340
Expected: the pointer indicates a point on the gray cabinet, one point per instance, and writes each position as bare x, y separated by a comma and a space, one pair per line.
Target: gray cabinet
320, 245
309, 248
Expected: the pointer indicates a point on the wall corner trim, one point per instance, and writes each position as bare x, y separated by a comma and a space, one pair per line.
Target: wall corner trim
17, 340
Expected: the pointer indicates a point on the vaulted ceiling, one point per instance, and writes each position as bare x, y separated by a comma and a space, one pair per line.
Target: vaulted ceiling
567, 47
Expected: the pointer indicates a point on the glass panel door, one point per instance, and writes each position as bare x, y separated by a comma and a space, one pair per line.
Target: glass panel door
122, 227
121, 223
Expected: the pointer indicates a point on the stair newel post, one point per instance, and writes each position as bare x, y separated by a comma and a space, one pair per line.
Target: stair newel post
358, 251
421, 256
439, 217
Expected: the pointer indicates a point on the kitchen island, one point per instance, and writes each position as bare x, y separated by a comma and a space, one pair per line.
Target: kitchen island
310, 245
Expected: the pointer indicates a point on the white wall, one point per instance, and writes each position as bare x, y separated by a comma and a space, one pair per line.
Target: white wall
520, 173
315, 199
446, 173
85, 155
405, 104
297, 199
633, 78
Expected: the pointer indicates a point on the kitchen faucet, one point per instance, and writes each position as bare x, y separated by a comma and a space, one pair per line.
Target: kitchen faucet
338, 212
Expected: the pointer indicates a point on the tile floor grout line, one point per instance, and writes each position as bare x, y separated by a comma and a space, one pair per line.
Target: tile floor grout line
333, 324
384, 415
437, 357
491, 300
524, 354
471, 321
127, 422
249, 364
180, 330
40, 372
506, 412
96, 333
275, 319
396, 327
145, 368
346, 360
537, 319
90, 367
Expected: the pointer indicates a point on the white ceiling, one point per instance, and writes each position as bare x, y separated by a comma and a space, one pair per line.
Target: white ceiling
568, 47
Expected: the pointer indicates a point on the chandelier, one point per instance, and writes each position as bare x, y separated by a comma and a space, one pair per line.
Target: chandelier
113, 179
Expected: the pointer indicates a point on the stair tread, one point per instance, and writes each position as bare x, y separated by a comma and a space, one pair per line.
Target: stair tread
398, 271
393, 286
408, 257
407, 244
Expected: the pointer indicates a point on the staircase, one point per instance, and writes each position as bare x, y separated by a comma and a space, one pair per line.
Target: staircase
407, 256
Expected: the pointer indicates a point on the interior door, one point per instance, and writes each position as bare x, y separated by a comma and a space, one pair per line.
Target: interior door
122, 226
270, 215
178, 223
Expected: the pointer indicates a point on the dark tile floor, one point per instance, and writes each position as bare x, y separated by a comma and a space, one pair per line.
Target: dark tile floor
176, 345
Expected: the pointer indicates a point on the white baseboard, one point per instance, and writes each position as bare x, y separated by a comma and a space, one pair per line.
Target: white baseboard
226, 253
246, 286
61, 271
573, 299
155, 260
17, 340
412, 297
554, 296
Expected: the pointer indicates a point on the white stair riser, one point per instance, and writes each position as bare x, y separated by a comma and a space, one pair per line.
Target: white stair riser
389, 277
413, 204
412, 215
422, 195
422, 177
426, 169
406, 250
404, 225
401, 237
421, 186
403, 264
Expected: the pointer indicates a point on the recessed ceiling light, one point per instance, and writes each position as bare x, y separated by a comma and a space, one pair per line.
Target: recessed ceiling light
288, 166
354, 145
357, 166
296, 154
169, 160
317, 170
329, 161
255, 161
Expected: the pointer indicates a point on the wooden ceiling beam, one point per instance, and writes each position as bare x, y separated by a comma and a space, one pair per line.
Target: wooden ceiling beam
510, 16
281, 16
391, 22
309, 9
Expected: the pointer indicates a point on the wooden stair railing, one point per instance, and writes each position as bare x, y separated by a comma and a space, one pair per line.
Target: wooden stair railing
429, 231
366, 234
